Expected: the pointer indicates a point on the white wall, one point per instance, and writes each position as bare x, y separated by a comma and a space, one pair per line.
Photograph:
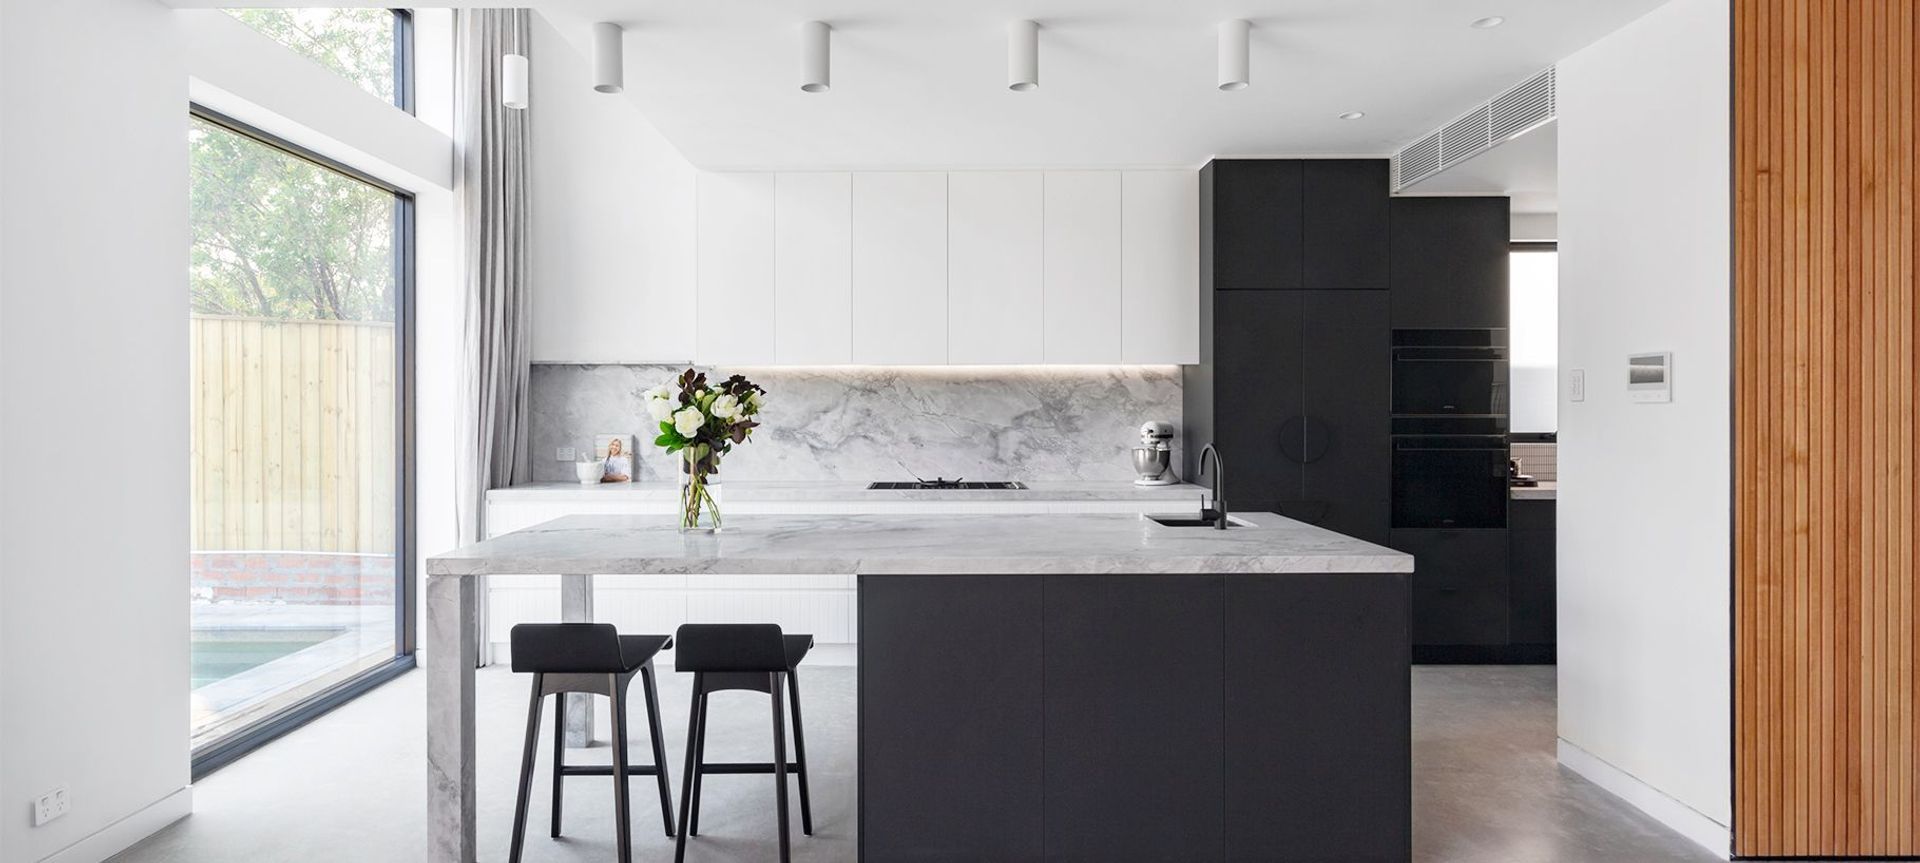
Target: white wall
1644, 522
613, 220
93, 305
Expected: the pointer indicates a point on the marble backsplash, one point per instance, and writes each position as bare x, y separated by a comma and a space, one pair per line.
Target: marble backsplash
881, 423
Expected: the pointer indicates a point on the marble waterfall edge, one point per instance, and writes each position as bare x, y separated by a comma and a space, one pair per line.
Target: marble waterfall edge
1026, 423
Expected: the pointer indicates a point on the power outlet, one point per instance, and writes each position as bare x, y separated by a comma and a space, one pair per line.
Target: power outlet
1577, 385
51, 805
564, 453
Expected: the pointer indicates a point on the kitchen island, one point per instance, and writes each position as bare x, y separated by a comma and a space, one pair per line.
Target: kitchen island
1095, 686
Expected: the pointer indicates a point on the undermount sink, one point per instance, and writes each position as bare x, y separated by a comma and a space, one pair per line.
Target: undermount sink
1207, 520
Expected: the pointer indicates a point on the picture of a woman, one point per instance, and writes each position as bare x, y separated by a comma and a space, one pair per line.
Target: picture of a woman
618, 466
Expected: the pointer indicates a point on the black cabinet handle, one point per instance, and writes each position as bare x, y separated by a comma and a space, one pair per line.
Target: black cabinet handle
1304, 440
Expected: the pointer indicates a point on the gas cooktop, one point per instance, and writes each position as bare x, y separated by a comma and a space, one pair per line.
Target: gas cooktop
944, 484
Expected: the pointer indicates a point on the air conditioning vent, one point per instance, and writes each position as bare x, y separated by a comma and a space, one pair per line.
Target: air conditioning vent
1514, 112
1523, 107
1419, 160
1464, 137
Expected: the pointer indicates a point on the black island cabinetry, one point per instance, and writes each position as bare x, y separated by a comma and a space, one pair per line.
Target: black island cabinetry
1353, 372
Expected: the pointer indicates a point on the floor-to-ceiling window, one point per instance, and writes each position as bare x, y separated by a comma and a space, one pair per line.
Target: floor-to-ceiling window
301, 277
1534, 328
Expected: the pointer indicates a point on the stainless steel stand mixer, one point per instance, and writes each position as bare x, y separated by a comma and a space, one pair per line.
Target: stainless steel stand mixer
1153, 458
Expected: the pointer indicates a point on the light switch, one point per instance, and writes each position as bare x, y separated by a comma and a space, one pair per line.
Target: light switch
1577, 385
564, 453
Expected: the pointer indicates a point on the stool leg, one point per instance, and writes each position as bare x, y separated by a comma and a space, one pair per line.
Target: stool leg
779, 761
559, 757
800, 752
686, 778
526, 772
699, 749
659, 748
622, 816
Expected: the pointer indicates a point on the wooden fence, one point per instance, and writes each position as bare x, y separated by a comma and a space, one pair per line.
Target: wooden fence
293, 431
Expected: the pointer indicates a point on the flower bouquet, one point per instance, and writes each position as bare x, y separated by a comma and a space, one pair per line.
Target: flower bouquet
702, 422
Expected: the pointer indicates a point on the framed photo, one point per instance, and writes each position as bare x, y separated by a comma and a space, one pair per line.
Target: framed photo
615, 452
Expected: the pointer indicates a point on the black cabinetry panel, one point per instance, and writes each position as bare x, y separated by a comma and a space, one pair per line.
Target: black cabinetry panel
1256, 224
1258, 384
1449, 262
1345, 224
1459, 585
1347, 431
1134, 658
1531, 562
941, 642
1337, 798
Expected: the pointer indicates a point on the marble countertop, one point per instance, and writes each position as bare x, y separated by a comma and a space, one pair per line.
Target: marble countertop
969, 544
838, 492
1543, 491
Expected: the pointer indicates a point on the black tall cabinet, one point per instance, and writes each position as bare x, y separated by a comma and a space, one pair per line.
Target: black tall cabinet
1293, 383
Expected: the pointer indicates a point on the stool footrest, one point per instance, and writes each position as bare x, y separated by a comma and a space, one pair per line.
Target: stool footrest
760, 767
606, 770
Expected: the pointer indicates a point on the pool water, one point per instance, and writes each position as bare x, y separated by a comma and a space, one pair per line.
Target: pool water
222, 653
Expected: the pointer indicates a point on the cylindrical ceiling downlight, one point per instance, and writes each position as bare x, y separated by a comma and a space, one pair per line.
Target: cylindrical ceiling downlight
513, 81
816, 57
1023, 56
609, 60
1233, 54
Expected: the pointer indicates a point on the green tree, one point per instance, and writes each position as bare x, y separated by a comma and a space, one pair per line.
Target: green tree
277, 236
356, 43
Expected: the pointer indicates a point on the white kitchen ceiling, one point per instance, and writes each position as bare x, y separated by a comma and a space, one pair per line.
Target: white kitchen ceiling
922, 84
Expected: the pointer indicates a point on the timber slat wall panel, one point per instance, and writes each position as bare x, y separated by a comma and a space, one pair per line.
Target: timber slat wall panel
1824, 315
293, 435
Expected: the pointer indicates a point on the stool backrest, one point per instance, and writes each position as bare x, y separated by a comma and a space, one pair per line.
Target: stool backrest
566, 648
730, 647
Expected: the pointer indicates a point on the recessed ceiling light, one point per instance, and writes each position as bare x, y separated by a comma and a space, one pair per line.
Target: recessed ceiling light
1353, 115
1488, 23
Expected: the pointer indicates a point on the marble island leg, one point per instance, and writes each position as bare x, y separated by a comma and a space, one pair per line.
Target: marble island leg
451, 653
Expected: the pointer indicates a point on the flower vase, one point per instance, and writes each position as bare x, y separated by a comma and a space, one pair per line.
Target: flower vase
699, 493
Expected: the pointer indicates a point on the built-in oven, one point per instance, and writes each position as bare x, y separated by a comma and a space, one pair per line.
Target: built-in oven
1450, 429
1449, 373
1450, 481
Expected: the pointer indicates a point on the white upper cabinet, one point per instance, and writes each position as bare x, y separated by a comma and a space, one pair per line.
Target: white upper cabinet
900, 268
1159, 267
934, 268
734, 232
813, 269
1081, 314
993, 267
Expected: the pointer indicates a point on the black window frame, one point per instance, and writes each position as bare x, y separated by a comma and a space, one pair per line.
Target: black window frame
218, 754
403, 60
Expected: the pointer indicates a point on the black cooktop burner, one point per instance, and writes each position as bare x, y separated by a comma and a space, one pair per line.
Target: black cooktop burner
942, 483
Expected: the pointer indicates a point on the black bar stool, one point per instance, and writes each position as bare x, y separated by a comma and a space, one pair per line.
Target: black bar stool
751, 656
592, 658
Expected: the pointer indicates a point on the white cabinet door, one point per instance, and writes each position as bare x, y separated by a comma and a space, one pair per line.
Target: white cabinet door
993, 267
1160, 267
735, 235
1081, 314
900, 268
813, 269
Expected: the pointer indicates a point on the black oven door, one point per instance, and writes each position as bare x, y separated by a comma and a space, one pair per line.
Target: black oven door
1450, 481
1437, 381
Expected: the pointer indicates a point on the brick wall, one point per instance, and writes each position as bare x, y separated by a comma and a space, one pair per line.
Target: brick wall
293, 577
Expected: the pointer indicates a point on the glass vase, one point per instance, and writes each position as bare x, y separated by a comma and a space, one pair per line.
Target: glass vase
699, 494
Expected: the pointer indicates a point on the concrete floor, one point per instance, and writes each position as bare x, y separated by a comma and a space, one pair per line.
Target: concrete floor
350, 786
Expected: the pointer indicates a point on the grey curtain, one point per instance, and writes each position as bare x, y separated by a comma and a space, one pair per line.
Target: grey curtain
492, 153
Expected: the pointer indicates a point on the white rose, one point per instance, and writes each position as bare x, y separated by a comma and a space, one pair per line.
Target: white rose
659, 403
725, 407
688, 420
753, 402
